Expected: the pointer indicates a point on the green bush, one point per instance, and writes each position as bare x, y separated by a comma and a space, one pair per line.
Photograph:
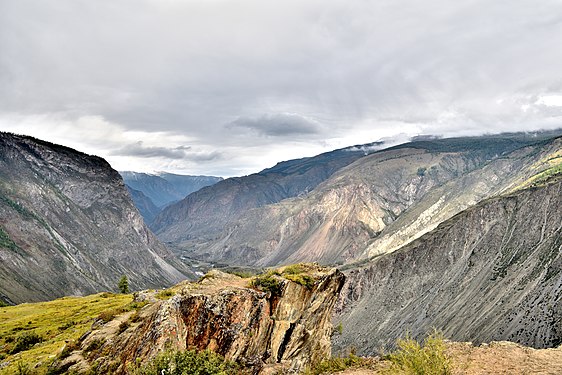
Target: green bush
297, 274
305, 280
165, 294
267, 283
23, 369
189, 362
108, 315
25, 341
68, 348
427, 359
294, 269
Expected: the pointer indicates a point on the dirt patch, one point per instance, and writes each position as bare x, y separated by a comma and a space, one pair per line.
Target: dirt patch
498, 358
506, 358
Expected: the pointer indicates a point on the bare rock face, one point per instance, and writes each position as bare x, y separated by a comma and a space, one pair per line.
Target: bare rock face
492, 272
68, 226
288, 327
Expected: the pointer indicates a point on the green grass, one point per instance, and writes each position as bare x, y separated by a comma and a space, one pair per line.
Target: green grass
42, 328
547, 175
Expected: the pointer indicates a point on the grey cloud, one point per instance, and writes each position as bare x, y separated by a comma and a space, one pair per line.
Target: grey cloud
277, 125
176, 153
139, 150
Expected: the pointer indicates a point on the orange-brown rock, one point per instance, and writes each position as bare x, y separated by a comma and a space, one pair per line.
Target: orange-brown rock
290, 327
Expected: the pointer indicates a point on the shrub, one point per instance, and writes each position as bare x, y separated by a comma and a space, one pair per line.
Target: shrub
25, 342
427, 359
267, 283
23, 369
123, 326
135, 305
68, 348
67, 325
305, 280
189, 362
94, 345
165, 294
336, 364
293, 269
135, 317
107, 315
297, 274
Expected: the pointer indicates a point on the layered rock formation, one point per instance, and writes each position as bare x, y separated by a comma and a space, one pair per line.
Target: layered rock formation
68, 226
204, 213
492, 272
377, 204
289, 326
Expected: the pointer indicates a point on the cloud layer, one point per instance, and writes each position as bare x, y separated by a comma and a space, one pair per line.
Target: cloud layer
224, 87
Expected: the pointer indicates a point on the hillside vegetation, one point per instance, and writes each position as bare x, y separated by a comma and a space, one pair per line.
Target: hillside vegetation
33, 334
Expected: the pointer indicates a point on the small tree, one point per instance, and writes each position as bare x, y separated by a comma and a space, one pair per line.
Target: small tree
123, 285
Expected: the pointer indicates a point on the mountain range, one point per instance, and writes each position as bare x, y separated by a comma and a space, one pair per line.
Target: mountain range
370, 204
460, 234
153, 192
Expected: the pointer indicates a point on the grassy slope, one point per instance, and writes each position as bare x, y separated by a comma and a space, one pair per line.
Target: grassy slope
55, 321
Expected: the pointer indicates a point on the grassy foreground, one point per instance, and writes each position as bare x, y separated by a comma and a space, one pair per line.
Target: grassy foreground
32, 334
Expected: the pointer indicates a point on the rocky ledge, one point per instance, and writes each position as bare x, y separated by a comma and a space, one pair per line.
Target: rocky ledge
280, 319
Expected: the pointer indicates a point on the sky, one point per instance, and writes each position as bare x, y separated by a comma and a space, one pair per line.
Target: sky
227, 88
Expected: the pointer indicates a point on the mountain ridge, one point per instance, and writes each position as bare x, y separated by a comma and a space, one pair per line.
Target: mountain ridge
69, 227
375, 204
492, 272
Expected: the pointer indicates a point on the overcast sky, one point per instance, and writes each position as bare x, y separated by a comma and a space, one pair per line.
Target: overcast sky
229, 87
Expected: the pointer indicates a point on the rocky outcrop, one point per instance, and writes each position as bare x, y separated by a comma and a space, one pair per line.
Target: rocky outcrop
377, 204
492, 272
289, 326
68, 226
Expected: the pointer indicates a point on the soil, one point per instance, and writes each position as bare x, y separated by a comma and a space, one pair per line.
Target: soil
498, 358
